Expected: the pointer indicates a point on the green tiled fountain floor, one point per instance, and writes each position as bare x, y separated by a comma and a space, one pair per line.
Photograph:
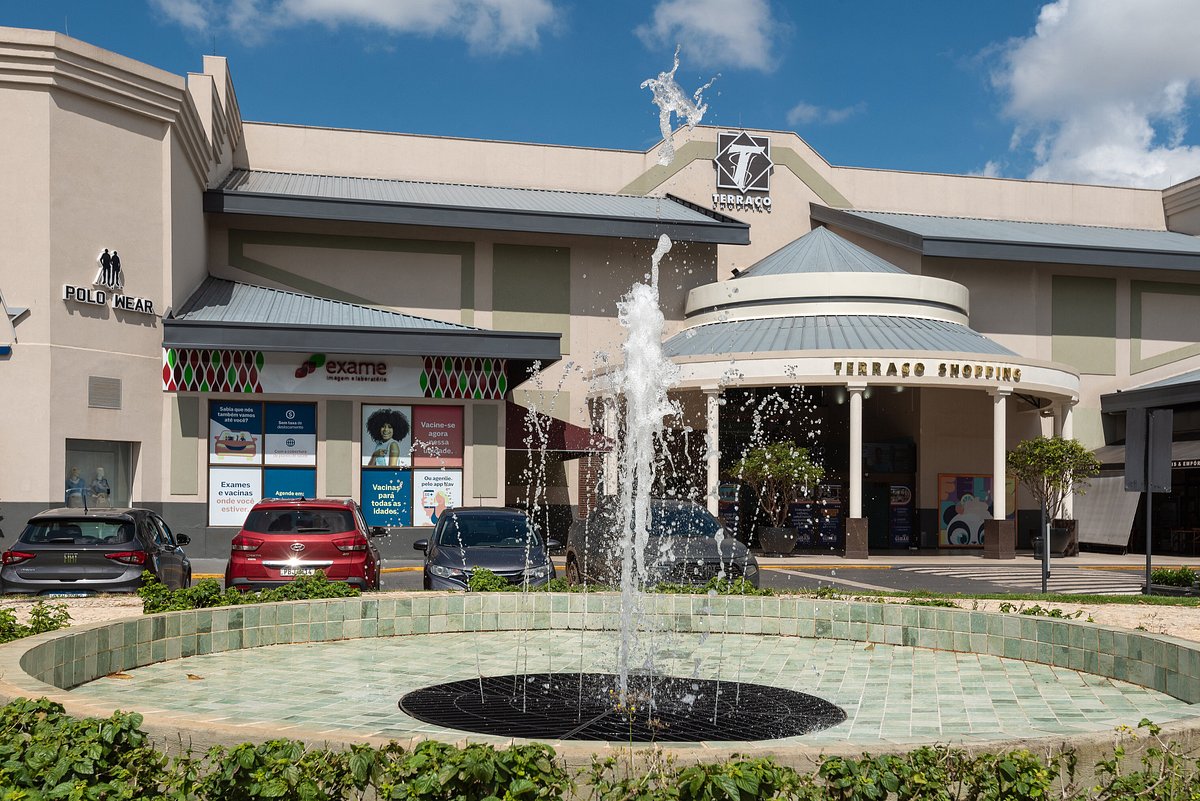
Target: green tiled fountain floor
891, 694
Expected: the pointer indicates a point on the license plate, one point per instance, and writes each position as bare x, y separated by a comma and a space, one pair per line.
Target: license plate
67, 593
297, 571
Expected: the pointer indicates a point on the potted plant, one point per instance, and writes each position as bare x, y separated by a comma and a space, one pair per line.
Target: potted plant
1052, 469
779, 473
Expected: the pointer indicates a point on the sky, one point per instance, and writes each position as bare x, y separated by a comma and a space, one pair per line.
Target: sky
1092, 91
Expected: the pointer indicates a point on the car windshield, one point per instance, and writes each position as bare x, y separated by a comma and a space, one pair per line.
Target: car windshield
666, 520
299, 521
684, 520
77, 532
487, 531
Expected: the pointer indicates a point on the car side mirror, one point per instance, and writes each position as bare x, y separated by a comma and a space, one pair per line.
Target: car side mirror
378, 531
421, 545
553, 545
183, 539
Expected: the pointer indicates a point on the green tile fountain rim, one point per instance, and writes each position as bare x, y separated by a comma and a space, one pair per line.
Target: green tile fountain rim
68, 658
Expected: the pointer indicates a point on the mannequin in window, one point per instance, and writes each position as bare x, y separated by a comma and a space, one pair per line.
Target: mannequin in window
75, 488
101, 491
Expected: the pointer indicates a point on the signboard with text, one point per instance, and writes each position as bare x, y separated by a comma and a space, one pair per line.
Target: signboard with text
232, 492
291, 434
437, 436
235, 432
435, 491
387, 497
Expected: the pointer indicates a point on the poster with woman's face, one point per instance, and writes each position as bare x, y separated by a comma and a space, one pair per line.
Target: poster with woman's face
386, 436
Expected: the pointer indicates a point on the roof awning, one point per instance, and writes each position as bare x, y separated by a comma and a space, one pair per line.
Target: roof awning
1018, 240
529, 429
229, 315
1185, 453
1179, 391
491, 208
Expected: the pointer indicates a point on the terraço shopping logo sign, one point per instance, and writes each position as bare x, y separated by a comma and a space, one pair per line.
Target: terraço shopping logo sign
743, 166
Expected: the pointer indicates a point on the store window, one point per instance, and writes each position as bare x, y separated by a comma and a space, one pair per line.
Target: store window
412, 458
258, 450
99, 473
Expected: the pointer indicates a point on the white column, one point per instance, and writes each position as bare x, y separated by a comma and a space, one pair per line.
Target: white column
712, 408
611, 434
856, 468
999, 453
1067, 431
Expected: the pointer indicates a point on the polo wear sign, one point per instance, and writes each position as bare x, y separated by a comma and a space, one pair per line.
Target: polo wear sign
108, 288
743, 165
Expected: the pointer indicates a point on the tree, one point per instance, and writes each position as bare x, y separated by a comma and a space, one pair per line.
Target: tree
778, 473
1052, 468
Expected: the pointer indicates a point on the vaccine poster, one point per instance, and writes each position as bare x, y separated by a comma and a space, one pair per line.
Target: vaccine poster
291, 434
386, 436
232, 492
387, 497
435, 491
235, 432
437, 436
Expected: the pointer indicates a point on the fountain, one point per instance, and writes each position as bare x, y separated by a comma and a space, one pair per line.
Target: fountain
791, 678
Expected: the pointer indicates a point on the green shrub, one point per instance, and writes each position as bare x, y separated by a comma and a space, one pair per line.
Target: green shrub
439, 772
714, 586
157, 597
484, 580
43, 617
283, 769
1174, 577
50, 755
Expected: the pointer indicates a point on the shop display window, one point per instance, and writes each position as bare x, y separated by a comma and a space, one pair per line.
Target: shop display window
99, 473
412, 458
256, 450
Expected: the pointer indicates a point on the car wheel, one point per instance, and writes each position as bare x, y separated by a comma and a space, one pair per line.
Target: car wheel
573, 576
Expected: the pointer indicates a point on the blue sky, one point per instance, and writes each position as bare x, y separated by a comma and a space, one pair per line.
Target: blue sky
1086, 90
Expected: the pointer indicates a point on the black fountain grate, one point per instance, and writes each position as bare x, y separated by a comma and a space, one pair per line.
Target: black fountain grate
575, 706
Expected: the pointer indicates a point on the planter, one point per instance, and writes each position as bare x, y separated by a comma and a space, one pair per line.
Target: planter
774, 539
1173, 590
1060, 543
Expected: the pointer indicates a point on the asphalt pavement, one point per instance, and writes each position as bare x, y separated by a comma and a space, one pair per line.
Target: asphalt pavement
953, 573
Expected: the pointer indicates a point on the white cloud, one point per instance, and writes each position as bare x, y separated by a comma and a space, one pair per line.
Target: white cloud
1100, 91
808, 114
715, 33
486, 25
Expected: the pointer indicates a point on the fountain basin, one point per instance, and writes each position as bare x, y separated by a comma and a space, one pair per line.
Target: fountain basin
930, 659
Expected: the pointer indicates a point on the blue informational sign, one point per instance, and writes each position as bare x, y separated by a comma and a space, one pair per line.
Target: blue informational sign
291, 434
387, 497
289, 482
235, 432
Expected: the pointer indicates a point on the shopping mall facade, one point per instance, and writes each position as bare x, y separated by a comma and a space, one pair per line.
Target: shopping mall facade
208, 311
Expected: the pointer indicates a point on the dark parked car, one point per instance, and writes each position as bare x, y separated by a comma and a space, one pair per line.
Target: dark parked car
77, 551
283, 539
500, 540
683, 547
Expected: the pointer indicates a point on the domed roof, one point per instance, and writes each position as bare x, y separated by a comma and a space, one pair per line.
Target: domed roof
820, 251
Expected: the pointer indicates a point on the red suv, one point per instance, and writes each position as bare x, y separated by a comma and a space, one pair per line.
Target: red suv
282, 539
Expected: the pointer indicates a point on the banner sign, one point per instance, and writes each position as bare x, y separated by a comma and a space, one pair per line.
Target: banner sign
290, 483
387, 497
900, 516
435, 491
235, 432
437, 436
291, 434
232, 492
964, 503
386, 436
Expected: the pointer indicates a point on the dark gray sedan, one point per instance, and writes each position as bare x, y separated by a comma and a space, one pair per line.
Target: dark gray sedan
498, 539
687, 545
80, 552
